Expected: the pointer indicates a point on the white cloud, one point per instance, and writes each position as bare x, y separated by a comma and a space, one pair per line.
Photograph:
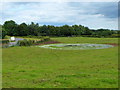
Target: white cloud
99, 15
60, 1
56, 12
99, 22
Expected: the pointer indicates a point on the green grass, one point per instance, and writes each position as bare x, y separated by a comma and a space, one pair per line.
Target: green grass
31, 38
35, 67
86, 40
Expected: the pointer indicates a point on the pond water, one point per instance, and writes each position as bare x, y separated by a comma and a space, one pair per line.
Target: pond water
76, 46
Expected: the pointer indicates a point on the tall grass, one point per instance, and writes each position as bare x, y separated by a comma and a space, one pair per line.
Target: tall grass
25, 42
29, 42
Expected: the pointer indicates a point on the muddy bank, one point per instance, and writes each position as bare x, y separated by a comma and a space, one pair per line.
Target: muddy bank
114, 44
55, 42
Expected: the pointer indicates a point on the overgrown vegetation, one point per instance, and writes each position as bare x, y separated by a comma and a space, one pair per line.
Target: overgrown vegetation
25, 42
32, 41
4, 41
11, 28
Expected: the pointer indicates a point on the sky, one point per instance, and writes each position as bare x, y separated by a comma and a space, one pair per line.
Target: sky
94, 15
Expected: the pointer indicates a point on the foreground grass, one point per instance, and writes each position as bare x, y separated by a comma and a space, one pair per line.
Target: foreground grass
34, 67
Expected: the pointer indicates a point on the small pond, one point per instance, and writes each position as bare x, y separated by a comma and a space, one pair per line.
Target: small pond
76, 46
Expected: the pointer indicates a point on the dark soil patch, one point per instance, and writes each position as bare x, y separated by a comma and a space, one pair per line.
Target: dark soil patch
48, 42
114, 44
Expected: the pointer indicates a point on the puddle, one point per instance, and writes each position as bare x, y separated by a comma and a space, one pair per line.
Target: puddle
76, 46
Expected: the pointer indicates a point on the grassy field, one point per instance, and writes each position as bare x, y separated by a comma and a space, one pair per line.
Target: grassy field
35, 67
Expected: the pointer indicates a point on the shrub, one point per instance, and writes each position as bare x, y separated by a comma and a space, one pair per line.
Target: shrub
2, 33
46, 38
30, 36
25, 42
39, 37
4, 41
7, 37
115, 35
28, 42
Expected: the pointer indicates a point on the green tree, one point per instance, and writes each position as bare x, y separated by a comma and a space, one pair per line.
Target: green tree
66, 30
22, 29
2, 32
44, 30
10, 27
34, 29
77, 29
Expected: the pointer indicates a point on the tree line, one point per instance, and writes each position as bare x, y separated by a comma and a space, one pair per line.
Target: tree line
11, 28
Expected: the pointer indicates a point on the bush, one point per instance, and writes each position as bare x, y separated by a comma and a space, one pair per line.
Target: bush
2, 33
25, 42
46, 38
115, 35
39, 37
4, 41
28, 42
7, 37
30, 36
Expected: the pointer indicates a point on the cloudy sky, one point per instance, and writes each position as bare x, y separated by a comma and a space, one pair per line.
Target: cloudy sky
91, 14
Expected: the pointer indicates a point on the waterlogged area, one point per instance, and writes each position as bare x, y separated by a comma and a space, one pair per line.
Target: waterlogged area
76, 46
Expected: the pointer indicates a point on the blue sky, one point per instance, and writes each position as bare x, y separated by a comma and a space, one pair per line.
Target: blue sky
91, 14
